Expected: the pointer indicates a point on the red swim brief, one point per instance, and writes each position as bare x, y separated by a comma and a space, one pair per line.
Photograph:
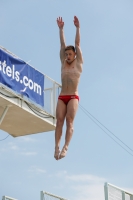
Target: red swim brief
67, 98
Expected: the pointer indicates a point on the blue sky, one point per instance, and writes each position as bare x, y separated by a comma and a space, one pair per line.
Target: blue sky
29, 30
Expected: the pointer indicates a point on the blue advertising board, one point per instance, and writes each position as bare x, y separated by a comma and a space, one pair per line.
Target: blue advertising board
21, 77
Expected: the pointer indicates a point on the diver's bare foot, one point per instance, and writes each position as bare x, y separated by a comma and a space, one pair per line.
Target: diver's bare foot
57, 152
63, 152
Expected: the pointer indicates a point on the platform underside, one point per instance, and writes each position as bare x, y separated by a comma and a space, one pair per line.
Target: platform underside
19, 121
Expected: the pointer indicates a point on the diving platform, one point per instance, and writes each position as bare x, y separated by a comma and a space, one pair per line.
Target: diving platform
20, 115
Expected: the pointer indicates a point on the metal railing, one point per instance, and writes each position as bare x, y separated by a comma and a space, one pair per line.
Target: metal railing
7, 198
115, 193
43, 195
51, 93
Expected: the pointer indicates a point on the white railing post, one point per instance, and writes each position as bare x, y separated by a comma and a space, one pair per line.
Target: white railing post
44, 91
131, 197
54, 98
51, 101
41, 195
123, 195
106, 191
3, 198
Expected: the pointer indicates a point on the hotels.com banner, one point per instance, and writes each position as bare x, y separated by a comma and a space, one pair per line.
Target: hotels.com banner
21, 77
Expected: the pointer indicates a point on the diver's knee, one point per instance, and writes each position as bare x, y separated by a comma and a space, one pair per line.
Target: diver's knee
69, 122
59, 122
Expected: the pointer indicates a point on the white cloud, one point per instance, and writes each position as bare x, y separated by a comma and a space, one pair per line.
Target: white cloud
3, 150
27, 139
24, 152
61, 173
83, 186
37, 170
87, 186
14, 147
89, 191
28, 153
85, 178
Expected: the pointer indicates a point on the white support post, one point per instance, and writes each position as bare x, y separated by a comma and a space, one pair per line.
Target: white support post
41, 195
3, 114
106, 191
3, 198
51, 101
54, 99
123, 195
131, 197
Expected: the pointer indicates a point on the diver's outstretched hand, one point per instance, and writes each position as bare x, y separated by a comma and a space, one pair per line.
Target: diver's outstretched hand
60, 22
76, 22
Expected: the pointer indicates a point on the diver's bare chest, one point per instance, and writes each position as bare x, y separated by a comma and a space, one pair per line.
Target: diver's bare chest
69, 67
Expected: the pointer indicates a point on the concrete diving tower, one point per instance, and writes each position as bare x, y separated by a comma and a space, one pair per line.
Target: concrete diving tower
20, 116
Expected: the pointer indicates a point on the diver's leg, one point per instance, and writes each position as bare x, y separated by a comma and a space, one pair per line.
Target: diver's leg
60, 116
72, 107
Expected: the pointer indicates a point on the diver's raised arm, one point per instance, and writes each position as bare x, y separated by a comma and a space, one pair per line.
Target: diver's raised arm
77, 39
60, 24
